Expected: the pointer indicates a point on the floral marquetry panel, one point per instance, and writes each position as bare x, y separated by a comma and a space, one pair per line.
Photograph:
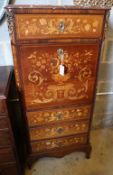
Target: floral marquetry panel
31, 26
58, 143
59, 130
43, 82
43, 117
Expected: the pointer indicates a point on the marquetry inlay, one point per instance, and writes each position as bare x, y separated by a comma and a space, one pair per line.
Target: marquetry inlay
60, 130
44, 84
58, 143
44, 26
44, 117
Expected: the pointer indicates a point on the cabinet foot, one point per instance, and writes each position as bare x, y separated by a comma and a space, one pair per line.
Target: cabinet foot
88, 152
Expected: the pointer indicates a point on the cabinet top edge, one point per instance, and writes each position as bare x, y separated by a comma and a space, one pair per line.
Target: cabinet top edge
53, 7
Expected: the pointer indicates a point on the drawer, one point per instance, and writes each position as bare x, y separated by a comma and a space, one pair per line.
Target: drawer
6, 156
69, 128
40, 26
58, 143
2, 107
43, 83
5, 139
4, 122
10, 168
66, 114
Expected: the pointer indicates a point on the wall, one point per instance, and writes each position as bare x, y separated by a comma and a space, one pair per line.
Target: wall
103, 113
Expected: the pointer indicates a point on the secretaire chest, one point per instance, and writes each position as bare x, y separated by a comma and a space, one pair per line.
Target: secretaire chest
56, 51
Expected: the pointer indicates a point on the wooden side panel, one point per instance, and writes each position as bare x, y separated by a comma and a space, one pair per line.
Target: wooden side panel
16, 67
35, 26
43, 84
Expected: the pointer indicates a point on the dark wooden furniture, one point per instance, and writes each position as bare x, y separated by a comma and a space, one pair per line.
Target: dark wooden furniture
56, 51
9, 152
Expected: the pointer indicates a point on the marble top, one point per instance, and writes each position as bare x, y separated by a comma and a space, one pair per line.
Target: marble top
72, 3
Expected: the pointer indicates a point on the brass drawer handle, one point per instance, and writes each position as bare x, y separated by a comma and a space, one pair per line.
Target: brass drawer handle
61, 26
59, 116
60, 130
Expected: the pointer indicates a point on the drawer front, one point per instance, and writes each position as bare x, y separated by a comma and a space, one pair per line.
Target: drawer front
59, 130
41, 73
6, 156
35, 26
58, 143
2, 107
5, 139
44, 117
4, 123
13, 169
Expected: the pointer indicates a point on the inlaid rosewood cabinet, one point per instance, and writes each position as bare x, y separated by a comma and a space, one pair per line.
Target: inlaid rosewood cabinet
9, 159
56, 51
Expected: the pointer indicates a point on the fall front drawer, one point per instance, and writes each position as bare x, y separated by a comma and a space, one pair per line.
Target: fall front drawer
58, 143
43, 83
57, 115
59, 130
36, 26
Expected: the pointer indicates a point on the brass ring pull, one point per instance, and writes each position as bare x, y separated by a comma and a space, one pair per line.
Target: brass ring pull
59, 116
60, 130
61, 26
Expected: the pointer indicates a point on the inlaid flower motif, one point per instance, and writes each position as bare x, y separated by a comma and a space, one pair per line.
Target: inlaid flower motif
85, 74
43, 21
87, 27
95, 23
35, 77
